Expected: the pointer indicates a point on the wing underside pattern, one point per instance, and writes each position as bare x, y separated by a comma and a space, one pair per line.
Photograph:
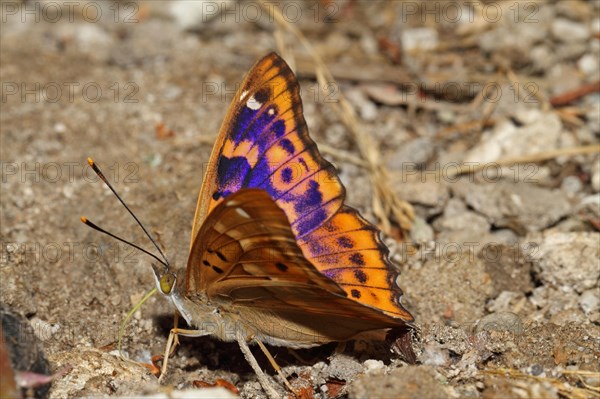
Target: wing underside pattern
266, 145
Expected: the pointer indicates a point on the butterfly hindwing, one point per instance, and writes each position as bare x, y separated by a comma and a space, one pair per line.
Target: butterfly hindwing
246, 256
264, 143
247, 235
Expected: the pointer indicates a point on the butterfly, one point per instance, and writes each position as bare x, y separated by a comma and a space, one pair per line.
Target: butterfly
276, 256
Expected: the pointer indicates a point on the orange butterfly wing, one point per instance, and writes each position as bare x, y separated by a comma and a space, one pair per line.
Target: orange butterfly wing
263, 143
347, 249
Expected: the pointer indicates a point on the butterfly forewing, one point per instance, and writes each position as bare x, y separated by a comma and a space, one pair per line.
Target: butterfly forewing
264, 143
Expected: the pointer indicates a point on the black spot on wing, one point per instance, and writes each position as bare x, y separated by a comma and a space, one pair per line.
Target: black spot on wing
287, 145
360, 276
282, 267
263, 94
287, 174
355, 293
345, 242
217, 269
357, 258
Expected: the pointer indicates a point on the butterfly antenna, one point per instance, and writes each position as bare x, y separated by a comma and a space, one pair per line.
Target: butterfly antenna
85, 221
97, 170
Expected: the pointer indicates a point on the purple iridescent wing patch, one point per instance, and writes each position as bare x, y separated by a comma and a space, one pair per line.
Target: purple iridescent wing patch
266, 145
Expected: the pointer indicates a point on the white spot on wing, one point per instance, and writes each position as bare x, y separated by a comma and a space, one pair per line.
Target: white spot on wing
271, 111
253, 104
242, 213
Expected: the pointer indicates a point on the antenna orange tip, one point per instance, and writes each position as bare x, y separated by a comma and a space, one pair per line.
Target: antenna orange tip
83, 219
90, 161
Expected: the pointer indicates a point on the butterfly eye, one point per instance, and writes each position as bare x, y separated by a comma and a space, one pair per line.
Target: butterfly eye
167, 282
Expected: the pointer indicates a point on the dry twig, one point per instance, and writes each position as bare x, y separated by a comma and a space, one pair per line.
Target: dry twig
570, 96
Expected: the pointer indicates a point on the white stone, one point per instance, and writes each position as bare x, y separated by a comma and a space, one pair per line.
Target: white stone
434, 355
570, 31
596, 175
43, 330
60, 127
571, 185
541, 132
373, 365
194, 14
595, 25
590, 300
588, 64
423, 39
567, 260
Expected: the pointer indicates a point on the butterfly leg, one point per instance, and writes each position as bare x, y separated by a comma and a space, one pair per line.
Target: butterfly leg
262, 378
172, 343
274, 364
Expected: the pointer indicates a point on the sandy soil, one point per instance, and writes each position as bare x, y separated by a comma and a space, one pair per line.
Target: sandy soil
500, 268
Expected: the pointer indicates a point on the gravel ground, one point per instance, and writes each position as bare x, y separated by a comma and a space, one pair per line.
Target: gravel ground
501, 266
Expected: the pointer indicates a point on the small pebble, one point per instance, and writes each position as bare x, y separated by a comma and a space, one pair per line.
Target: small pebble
194, 14
421, 231
595, 26
571, 185
502, 321
373, 365
42, 329
589, 301
60, 127
537, 369
588, 64
434, 355
155, 160
596, 178
593, 381
569, 31
419, 39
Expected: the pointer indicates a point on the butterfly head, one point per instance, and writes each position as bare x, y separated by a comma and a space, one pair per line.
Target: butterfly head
166, 281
